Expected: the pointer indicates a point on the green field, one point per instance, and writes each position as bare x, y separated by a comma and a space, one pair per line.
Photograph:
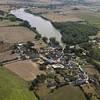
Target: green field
13, 88
93, 19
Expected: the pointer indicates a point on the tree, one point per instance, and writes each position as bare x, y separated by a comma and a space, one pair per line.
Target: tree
41, 78
52, 40
11, 17
45, 39
1, 64
75, 32
38, 36
25, 23
30, 43
56, 43
34, 82
1, 18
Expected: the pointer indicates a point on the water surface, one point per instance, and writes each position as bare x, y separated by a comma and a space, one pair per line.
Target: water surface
44, 27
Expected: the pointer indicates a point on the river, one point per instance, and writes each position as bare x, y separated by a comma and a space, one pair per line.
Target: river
43, 27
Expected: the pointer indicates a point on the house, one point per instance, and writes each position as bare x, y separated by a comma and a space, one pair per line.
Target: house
71, 47
26, 51
58, 66
52, 85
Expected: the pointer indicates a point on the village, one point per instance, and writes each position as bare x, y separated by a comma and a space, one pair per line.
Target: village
46, 66
57, 66
60, 66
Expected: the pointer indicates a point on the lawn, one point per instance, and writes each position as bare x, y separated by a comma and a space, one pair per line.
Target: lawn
13, 88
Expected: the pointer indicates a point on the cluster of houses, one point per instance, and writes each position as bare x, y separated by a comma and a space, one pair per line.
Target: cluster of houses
61, 68
25, 51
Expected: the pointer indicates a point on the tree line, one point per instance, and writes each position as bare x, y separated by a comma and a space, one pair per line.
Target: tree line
75, 32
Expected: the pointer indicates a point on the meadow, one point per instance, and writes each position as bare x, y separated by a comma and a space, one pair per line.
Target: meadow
13, 88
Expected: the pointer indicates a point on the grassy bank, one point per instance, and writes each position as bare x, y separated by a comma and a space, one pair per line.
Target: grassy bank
13, 88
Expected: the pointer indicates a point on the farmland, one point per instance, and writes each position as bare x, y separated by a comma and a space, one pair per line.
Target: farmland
19, 34
92, 19
9, 29
64, 92
46, 80
13, 88
25, 69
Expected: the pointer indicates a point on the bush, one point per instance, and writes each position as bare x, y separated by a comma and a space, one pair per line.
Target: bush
11, 17
30, 43
1, 64
26, 24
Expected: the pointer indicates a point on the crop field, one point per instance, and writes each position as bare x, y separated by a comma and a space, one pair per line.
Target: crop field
16, 34
12, 32
55, 17
4, 7
13, 88
24, 69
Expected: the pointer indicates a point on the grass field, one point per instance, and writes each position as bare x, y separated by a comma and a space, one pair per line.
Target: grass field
93, 19
9, 23
13, 88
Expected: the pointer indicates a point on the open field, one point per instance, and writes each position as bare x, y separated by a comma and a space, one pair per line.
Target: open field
91, 19
25, 69
13, 88
16, 34
91, 70
67, 14
63, 93
5, 8
60, 14
12, 32
4, 47
91, 16
6, 55
55, 17
90, 89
